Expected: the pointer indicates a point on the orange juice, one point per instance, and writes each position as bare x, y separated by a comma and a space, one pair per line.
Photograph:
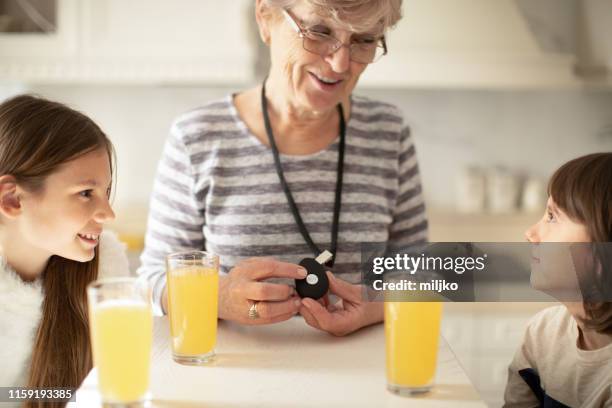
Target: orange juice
412, 330
121, 333
192, 304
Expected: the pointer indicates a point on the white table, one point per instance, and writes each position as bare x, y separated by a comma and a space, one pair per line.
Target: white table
289, 365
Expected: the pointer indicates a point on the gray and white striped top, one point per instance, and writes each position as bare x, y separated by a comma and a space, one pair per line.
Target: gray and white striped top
217, 189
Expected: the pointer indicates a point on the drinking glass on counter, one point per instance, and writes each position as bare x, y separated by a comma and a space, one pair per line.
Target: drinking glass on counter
121, 324
193, 287
412, 330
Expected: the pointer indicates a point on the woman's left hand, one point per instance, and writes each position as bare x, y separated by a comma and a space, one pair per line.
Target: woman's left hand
350, 313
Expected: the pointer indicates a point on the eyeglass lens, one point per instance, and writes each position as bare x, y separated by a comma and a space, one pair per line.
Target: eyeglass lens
325, 45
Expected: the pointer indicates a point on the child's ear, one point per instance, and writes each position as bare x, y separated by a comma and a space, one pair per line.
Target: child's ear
10, 203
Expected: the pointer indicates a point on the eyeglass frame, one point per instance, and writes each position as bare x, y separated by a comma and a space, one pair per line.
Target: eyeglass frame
303, 32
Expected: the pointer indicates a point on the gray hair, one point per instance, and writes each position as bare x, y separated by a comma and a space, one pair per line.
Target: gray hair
354, 15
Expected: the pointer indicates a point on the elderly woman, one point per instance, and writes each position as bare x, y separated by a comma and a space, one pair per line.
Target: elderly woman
285, 170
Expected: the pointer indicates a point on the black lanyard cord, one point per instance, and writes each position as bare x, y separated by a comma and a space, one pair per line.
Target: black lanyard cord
292, 205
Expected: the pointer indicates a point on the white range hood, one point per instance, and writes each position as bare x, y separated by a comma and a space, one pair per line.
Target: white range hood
468, 44
595, 40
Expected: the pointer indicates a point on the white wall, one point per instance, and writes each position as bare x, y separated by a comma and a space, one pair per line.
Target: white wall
530, 133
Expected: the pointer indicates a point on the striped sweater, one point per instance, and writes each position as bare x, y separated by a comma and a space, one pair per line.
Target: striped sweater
217, 189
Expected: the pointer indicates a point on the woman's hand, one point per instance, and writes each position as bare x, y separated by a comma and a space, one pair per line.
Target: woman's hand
350, 313
242, 286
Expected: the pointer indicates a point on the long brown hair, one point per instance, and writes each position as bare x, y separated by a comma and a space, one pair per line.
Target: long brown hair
36, 137
582, 188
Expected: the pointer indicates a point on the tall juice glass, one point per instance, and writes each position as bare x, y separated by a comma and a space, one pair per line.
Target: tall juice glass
193, 287
121, 325
412, 330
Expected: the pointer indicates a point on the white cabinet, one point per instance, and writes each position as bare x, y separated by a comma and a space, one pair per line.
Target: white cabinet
172, 41
438, 43
15, 49
136, 41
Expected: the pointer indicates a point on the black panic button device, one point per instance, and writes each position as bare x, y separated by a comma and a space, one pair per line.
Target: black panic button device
316, 283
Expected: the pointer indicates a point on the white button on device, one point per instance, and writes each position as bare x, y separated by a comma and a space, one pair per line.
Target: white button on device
312, 279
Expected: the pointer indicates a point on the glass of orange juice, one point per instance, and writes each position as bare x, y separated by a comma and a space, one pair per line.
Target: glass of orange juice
121, 324
193, 287
412, 330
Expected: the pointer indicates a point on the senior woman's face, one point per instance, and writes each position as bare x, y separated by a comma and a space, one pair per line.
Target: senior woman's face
312, 81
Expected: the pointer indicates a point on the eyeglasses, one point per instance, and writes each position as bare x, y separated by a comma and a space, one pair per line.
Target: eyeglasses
365, 51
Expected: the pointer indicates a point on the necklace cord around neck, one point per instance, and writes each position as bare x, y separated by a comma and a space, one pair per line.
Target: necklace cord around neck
292, 205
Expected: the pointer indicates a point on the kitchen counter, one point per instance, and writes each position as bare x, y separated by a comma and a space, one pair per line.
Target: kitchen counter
444, 225
290, 365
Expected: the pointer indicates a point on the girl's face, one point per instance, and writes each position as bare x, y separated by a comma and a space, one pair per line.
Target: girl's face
66, 217
556, 226
302, 71
553, 258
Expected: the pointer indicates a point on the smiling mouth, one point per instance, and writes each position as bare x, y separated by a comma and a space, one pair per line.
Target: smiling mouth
89, 238
325, 80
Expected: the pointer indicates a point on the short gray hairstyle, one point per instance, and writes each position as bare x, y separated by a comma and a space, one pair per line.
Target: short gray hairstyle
355, 15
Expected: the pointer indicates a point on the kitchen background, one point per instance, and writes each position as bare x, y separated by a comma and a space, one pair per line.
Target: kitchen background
497, 93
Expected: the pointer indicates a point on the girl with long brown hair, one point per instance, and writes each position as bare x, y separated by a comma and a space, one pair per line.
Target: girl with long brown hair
566, 355
56, 170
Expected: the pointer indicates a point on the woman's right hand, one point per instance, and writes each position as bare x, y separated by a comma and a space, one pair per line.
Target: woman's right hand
243, 285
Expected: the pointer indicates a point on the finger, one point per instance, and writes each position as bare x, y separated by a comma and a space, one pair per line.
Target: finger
324, 301
343, 289
261, 321
267, 291
263, 268
271, 310
309, 318
322, 316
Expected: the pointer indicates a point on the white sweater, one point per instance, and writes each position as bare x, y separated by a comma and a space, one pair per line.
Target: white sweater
550, 362
21, 308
